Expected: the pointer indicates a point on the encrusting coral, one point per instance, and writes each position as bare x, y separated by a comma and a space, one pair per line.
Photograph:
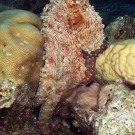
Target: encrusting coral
21, 47
117, 62
68, 28
88, 98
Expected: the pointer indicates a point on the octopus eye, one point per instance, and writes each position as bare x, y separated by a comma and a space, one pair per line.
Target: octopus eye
75, 2
77, 19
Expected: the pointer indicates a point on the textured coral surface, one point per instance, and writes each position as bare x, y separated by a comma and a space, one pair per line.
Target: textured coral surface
118, 62
86, 97
20, 47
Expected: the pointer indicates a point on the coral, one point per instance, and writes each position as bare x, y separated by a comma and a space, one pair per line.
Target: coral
19, 118
121, 29
68, 27
103, 96
10, 91
117, 62
88, 98
21, 46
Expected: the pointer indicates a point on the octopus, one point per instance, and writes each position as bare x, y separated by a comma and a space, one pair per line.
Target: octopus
70, 27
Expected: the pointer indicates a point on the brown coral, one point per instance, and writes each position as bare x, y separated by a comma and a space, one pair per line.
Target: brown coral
21, 46
20, 52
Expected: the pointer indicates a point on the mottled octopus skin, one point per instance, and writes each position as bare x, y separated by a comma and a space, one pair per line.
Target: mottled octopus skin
68, 27
90, 61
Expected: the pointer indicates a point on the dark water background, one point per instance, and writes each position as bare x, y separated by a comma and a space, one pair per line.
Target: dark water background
112, 8
109, 10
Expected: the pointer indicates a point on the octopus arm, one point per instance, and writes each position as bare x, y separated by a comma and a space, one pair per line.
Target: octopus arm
44, 120
64, 69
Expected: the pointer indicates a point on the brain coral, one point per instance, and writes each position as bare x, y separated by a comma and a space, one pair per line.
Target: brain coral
21, 46
118, 61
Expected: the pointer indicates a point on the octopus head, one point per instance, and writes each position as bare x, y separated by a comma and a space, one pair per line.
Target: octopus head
75, 11
74, 3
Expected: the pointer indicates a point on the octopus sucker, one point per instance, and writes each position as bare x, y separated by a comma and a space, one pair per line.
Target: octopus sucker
68, 28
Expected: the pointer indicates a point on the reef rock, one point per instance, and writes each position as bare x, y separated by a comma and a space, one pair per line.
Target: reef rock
118, 115
121, 29
113, 113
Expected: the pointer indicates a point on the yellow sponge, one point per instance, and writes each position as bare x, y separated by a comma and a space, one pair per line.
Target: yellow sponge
118, 61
